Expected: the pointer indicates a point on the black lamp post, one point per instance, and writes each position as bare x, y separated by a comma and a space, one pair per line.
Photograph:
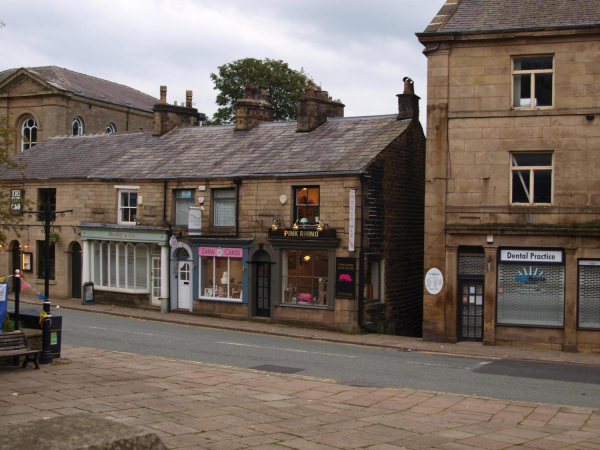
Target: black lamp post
48, 217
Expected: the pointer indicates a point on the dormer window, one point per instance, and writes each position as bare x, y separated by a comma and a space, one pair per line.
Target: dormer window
533, 82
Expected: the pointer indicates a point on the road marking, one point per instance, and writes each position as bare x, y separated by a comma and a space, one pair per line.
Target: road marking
132, 332
286, 349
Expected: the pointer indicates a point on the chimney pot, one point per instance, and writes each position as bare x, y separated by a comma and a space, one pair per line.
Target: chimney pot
163, 94
188, 99
253, 108
264, 95
408, 102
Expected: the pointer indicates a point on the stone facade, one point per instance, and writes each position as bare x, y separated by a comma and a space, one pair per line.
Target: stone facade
26, 95
473, 130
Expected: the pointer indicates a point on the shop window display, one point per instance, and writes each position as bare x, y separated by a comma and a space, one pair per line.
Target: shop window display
305, 277
221, 278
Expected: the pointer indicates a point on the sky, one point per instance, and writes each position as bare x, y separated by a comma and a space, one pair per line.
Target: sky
359, 51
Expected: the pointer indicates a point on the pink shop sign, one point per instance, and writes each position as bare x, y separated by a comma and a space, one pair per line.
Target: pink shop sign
220, 252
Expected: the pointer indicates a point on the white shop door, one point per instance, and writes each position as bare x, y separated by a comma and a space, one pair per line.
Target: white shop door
184, 288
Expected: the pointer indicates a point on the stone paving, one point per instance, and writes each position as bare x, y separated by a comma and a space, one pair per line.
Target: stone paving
194, 405
368, 339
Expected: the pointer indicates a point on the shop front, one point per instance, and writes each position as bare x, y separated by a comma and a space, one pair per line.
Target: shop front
127, 265
220, 284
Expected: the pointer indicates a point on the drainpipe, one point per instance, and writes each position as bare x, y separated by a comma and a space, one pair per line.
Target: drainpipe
361, 263
168, 238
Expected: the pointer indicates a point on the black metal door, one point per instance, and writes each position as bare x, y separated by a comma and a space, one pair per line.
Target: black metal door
76, 271
263, 289
470, 311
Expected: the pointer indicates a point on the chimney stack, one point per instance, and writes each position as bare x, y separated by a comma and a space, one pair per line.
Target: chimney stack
168, 117
408, 102
253, 109
315, 107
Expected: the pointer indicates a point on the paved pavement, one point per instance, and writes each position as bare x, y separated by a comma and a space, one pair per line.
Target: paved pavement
375, 340
205, 406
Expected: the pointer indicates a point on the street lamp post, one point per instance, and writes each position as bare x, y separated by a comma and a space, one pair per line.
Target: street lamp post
47, 217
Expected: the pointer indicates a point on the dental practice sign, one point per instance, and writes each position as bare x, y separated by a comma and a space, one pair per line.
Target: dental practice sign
525, 255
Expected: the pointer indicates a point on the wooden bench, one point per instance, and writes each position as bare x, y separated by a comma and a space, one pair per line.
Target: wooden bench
14, 343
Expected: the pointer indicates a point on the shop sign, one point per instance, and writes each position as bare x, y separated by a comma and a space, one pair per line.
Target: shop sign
352, 219
16, 196
220, 252
328, 233
434, 281
535, 256
172, 242
345, 278
194, 221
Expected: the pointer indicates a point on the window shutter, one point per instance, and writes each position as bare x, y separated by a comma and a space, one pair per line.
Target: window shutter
97, 263
141, 266
113, 264
122, 266
130, 267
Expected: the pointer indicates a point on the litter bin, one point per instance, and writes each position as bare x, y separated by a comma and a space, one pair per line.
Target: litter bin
164, 305
30, 318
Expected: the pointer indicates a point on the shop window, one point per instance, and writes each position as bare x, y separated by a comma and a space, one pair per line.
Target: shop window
47, 195
41, 258
111, 128
307, 208
531, 294
28, 134
533, 82
531, 178
223, 207
589, 294
221, 277
305, 277
77, 126
127, 207
120, 266
184, 199
373, 280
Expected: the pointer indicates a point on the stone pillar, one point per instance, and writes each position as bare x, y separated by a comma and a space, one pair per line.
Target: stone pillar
164, 271
489, 296
85, 260
450, 283
570, 343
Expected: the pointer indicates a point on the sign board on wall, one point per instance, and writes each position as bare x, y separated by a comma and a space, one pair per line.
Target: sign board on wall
520, 255
352, 220
434, 281
220, 252
345, 278
16, 197
194, 221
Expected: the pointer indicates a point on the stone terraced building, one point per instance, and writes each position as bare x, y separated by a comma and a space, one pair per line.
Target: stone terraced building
512, 216
257, 219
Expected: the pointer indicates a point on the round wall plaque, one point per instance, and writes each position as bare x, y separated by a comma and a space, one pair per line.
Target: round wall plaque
434, 281
283, 199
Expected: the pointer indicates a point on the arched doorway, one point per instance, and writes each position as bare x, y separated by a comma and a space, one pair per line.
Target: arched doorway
262, 283
76, 270
15, 260
183, 277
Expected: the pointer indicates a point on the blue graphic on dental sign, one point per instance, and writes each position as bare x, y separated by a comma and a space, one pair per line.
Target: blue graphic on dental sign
531, 276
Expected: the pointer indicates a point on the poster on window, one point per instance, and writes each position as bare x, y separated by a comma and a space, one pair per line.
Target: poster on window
345, 278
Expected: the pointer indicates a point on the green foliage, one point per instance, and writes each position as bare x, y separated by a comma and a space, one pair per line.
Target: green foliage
8, 325
285, 86
10, 219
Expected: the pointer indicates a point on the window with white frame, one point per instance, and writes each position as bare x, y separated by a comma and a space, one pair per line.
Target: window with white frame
184, 199
224, 207
533, 82
531, 178
120, 265
128, 200
28, 134
110, 128
77, 126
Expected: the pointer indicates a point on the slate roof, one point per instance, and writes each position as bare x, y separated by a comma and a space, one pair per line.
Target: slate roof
91, 87
495, 15
338, 145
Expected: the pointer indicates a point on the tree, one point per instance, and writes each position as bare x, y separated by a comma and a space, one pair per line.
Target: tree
285, 86
10, 208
